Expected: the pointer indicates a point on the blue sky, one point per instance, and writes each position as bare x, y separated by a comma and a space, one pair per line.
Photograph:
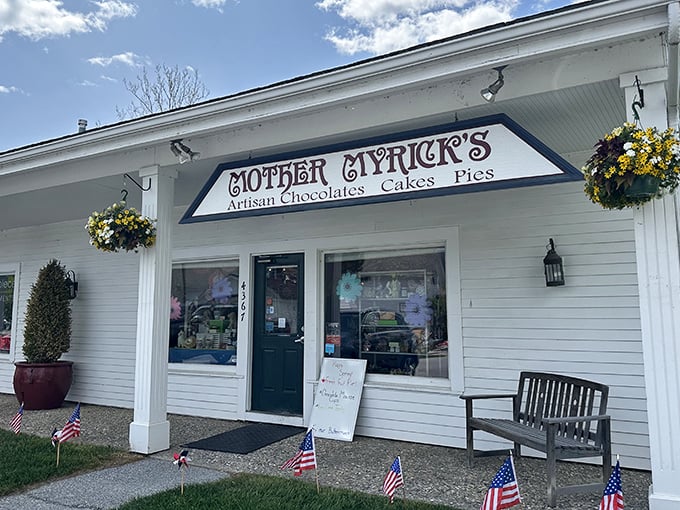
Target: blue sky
65, 60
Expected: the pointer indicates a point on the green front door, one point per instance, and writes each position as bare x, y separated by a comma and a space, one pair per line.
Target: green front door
278, 334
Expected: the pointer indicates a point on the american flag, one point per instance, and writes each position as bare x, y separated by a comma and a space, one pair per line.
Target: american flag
394, 479
305, 458
503, 491
15, 424
612, 498
72, 427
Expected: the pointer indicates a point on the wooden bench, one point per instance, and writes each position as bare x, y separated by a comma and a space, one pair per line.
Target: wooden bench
563, 417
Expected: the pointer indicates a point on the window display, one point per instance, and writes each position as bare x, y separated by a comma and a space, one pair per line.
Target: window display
6, 309
388, 308
203, 313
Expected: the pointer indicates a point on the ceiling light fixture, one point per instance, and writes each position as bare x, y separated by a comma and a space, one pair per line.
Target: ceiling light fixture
489, 93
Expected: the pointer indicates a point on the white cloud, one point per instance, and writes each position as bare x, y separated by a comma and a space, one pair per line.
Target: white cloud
87, 83
381, 26
38, 19
210, 4
10, 90
128, 58
108, 78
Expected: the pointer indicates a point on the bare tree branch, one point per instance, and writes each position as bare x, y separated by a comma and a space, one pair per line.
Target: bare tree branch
172, 88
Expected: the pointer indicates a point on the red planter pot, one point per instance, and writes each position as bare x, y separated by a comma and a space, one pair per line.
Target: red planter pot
42, 385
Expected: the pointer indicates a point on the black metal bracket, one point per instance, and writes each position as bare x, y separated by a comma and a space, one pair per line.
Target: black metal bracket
128, 176
124, 192
640, 102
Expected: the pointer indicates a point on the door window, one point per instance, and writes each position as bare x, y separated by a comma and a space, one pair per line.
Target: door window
281, 300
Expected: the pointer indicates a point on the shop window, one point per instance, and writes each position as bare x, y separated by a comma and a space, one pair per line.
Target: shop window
388, 307
203, 313
6, 310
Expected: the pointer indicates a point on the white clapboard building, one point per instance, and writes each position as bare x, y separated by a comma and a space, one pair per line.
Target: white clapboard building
384, 211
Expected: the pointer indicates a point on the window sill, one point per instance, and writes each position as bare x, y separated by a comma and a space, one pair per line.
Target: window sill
228, 371
408, 383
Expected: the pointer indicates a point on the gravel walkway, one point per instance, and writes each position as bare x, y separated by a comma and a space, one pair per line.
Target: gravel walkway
432, 473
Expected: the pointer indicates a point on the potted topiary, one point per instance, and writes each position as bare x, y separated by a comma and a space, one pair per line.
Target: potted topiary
42, 381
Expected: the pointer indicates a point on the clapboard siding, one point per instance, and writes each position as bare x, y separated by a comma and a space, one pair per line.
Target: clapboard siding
509, 319
411, 415
203, 395
104, 314
589, 328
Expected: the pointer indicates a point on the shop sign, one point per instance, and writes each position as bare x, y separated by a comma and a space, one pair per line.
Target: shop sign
482, 154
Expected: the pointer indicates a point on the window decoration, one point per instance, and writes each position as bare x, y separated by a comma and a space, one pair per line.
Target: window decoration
221, 289
175, 309
349, 287
418, 310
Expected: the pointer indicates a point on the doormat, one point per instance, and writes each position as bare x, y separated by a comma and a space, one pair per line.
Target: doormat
246, 439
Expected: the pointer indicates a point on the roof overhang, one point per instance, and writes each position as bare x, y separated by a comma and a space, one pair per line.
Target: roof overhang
555, 70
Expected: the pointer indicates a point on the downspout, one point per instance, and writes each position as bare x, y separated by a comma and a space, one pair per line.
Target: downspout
673, 48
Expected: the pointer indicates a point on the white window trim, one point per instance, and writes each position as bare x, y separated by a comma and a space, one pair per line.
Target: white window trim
449, 238
14, 269
189, 256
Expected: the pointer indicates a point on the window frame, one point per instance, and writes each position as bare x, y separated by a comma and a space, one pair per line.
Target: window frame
446, 237
12, 269
209, 368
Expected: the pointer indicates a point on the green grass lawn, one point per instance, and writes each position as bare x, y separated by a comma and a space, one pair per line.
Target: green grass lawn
29, 460
257, 492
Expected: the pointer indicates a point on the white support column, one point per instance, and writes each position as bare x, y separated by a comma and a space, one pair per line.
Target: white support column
658, 266
150, 429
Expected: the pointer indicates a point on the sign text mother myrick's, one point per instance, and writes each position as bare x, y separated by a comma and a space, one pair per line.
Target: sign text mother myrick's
435, 164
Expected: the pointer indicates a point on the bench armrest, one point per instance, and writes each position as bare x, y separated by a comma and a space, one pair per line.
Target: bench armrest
483, 396
572, 419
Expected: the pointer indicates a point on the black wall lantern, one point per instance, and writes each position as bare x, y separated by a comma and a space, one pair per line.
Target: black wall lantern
72, 284
554, 272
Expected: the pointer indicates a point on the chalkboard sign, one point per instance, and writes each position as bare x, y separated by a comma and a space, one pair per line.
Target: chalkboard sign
336, 402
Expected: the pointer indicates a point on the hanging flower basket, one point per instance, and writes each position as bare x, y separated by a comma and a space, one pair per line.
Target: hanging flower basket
632, 166
120, 227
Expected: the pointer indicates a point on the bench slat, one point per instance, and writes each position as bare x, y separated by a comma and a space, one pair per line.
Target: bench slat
531, 436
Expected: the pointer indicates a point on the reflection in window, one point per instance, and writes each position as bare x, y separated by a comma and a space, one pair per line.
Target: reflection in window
203, 313
6, 308
389, 308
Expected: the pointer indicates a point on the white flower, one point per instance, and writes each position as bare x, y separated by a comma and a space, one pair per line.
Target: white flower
628, 145
630, 153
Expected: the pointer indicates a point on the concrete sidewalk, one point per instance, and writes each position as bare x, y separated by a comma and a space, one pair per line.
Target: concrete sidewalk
110, 488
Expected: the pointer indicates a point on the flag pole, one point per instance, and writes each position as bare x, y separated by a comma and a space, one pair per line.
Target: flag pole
58, 445
181, 490
316, 473
403, 487
514, 471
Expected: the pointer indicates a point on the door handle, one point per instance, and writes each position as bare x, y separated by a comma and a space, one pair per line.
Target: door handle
300, 340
